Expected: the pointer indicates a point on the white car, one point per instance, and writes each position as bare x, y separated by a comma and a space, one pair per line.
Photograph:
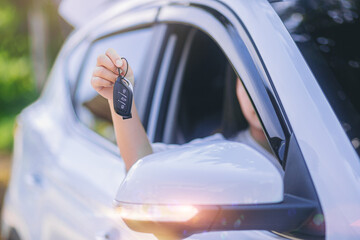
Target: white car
300, 64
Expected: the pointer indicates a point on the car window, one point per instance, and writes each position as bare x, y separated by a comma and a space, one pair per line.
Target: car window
91, 108
203, 100
327, 34
201, 97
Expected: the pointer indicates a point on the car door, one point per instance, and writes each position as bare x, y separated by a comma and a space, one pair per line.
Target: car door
193, 108
83, 180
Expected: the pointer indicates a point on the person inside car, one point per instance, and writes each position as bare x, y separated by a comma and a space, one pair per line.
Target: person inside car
130, 134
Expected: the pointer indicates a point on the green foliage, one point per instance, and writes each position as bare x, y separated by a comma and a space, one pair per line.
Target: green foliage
17, 88
6, 130
16, 84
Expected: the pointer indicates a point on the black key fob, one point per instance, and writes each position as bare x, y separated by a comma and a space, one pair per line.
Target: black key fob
122, 97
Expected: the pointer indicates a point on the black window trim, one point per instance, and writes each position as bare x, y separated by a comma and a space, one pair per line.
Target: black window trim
182, 34
170, 117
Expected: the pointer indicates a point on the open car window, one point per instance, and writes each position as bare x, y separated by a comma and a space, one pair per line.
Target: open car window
202, 99
205, 99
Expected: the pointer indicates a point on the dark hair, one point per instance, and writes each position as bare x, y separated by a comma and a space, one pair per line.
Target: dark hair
233, 119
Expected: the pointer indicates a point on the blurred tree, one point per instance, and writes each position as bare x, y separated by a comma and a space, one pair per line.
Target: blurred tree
47, 32
25, 23
38, 29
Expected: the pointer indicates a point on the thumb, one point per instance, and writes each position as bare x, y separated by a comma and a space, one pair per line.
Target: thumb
114, 57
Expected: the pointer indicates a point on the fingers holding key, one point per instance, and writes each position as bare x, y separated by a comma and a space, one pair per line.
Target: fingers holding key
99, 83
103, 86
104, 61
105, 73
121, 63
116, 59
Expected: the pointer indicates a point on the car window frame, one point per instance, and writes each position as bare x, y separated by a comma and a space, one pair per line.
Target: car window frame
259, 88
89, 39
174, 40
173, 107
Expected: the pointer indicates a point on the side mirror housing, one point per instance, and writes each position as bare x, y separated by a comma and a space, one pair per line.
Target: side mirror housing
214, 186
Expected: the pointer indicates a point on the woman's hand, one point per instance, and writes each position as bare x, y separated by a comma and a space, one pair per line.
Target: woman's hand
106, 72
130, 134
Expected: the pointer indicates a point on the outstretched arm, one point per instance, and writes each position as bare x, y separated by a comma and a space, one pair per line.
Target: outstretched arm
131, 137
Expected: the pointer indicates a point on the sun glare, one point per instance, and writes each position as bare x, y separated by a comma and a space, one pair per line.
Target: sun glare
157, 213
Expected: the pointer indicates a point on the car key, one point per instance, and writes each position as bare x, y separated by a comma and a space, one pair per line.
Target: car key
122, 96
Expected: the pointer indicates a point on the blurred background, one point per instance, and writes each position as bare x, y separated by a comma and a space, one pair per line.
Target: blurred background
26, 26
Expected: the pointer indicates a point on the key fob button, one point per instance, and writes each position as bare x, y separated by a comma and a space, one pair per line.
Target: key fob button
122, 98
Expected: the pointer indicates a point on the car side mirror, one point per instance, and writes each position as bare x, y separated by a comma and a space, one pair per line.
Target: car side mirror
214, 186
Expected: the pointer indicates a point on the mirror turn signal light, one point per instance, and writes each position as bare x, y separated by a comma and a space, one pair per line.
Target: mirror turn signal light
156, 213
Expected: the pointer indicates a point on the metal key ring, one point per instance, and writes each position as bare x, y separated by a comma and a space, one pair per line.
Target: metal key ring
127, 68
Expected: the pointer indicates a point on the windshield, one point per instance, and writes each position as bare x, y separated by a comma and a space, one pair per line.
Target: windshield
328, 36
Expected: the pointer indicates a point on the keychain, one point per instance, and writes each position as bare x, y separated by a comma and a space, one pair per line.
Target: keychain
123, 94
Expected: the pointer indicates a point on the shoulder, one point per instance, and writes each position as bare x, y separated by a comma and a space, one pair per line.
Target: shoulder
243, 136
214, 137
159, 147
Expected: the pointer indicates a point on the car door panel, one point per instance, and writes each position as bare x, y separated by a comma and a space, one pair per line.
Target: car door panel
83, 179
81, 189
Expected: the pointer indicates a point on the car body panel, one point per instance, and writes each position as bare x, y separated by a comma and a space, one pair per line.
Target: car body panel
327, 153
